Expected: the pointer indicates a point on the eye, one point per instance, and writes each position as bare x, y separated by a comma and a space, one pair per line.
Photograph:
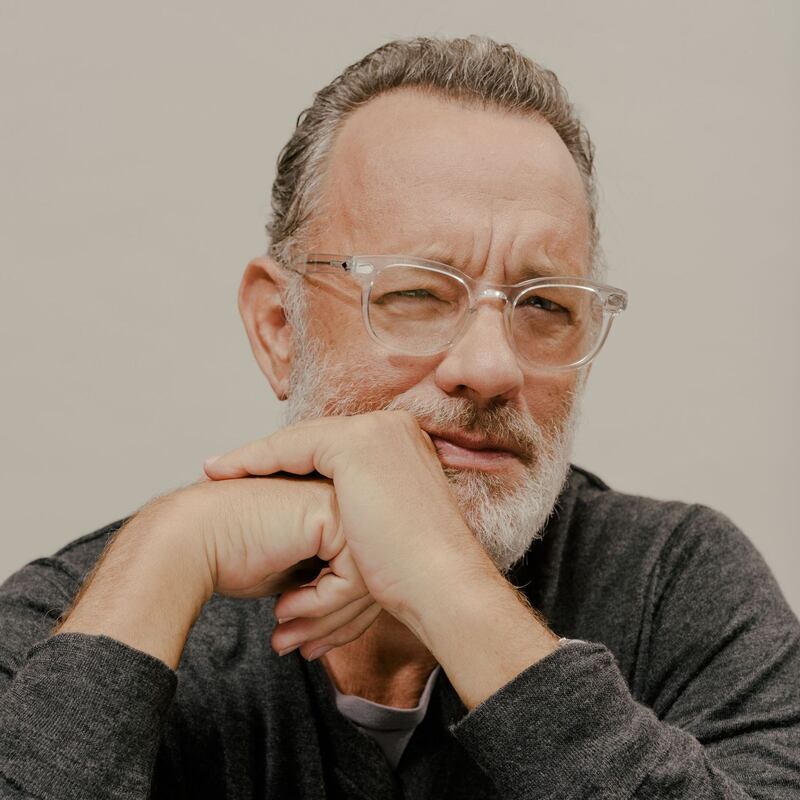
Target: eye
407, 294
537, 301
417, 293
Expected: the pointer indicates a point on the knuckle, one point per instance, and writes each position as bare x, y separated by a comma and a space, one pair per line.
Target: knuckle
331, 527
399, 418
321, 518
346, 595
331, 504
370, 424
406, 418
347, 633
378, 424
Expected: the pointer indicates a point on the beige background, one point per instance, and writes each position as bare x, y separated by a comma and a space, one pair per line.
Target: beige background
137, 147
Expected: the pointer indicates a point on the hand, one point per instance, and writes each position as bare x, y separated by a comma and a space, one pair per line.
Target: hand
246, 538
400, 520
263, 536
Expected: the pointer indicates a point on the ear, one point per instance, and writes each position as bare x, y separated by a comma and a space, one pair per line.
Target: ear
261, 309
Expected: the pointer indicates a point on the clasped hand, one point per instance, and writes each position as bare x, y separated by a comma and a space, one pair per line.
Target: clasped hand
376, 512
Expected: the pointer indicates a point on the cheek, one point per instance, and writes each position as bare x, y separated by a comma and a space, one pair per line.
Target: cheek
550, 398
397, 374
385, 375
336, 324
364, 362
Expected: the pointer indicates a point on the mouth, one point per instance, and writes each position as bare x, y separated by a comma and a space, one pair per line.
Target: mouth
474, 452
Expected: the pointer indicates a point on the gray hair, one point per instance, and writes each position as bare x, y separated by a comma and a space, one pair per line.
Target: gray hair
475, 71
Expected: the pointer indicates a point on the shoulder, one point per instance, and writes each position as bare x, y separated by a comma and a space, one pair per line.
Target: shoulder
653, 530
611, 564
599, 536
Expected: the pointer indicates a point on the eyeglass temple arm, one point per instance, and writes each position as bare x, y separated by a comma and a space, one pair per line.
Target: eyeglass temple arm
328, 262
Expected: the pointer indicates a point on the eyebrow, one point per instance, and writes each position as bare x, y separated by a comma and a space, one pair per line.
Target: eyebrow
526, 273
530, 271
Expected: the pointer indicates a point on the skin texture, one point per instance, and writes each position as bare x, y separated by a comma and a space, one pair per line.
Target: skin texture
488, 192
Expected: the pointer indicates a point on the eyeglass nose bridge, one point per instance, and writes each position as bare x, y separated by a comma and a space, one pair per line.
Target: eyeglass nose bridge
493, 293
489, 294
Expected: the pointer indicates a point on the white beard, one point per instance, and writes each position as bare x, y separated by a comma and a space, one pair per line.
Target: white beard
506, 515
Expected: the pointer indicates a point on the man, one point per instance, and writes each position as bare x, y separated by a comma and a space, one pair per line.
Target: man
453, 609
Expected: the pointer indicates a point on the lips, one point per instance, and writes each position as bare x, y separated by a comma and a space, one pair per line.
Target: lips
474, 452
468, 442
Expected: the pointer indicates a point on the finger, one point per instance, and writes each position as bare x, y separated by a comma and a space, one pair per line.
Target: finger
318, 601
295, 632
337, 587
324, 571
347, 633
298, 449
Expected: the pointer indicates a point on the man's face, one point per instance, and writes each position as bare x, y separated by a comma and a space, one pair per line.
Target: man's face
490, 194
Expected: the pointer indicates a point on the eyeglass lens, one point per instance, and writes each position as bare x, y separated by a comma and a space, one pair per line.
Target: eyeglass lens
420, 311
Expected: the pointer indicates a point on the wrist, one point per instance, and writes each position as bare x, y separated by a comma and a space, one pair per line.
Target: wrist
447, 587
148, 587
483, 633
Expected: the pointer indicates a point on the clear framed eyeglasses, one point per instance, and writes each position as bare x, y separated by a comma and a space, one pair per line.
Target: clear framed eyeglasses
418, 307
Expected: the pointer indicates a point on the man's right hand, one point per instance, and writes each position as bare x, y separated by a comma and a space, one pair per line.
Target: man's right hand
249, 537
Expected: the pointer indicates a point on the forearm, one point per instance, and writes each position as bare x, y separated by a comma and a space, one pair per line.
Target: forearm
568, 727
83, 718
555, 721
149, 587
550, 721
83, 713
483, 636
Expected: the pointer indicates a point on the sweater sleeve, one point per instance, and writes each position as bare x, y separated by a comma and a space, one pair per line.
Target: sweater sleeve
80, 716
718, 714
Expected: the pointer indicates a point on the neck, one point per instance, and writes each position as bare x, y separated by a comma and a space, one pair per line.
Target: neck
386, 664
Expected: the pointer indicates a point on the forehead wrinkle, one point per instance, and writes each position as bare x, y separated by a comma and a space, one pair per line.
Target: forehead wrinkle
372, 225
540, 245
551, 255
376, 187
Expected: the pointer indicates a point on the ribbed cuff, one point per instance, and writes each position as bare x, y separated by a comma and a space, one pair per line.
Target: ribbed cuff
83, 717
566, 727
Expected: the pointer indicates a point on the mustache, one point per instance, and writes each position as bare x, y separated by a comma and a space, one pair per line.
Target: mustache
502, 423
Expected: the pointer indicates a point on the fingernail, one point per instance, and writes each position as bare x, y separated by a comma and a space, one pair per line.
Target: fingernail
288, 650
281, 620
210, 460
320, 651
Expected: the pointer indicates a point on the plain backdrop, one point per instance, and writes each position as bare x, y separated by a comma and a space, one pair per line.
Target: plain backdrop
137, 149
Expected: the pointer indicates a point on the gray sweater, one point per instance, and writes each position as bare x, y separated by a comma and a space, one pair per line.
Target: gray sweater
687, 685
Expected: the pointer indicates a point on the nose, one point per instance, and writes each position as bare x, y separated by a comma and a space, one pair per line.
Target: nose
481, 365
